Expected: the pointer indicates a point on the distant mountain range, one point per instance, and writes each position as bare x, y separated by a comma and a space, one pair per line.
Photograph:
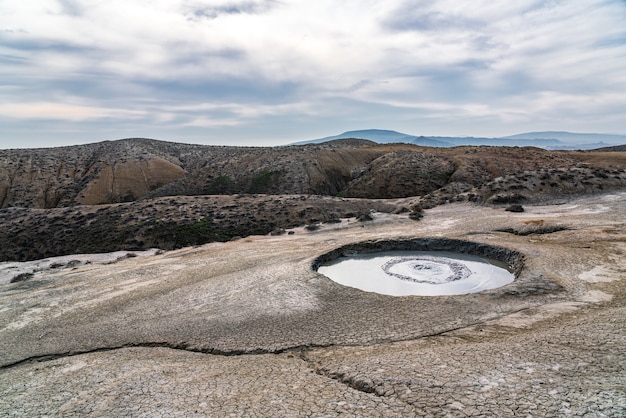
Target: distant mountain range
552, 140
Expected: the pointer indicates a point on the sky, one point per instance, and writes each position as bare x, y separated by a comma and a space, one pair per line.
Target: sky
272, 72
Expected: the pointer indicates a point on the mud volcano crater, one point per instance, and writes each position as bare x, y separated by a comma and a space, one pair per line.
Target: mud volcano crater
421, 266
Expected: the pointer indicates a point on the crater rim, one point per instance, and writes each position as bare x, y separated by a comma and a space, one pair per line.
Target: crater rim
425, 259
513, 258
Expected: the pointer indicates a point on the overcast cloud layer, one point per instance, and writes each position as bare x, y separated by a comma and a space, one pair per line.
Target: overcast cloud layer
267, 72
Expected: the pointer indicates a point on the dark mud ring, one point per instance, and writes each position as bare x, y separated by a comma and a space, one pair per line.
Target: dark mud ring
514, 259
458, 270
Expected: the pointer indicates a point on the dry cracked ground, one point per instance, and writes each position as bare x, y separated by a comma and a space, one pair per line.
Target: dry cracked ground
248, 328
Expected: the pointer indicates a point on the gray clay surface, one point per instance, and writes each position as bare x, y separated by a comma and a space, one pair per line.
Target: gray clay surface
249, 328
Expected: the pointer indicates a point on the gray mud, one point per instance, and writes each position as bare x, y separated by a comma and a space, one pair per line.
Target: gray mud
248, 328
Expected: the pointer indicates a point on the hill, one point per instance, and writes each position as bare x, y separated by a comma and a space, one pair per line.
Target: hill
139, 193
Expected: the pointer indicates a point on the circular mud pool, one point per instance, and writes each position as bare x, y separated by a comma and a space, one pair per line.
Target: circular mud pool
404, 271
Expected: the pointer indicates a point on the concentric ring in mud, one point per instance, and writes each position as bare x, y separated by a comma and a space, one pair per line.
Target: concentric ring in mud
426, 269
424, 266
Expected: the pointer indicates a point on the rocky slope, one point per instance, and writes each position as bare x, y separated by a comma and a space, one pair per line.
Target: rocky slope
125, 170
130, 169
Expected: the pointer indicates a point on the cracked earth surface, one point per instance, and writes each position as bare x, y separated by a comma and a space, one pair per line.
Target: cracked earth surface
247, 328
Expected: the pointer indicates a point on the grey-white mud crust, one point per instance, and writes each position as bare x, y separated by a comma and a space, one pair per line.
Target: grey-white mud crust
248, 328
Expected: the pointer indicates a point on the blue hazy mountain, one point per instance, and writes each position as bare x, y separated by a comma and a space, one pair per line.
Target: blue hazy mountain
570, 136
571, 140
381, 136
549, 140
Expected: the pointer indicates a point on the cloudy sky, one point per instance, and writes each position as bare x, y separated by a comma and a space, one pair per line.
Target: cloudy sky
269, 72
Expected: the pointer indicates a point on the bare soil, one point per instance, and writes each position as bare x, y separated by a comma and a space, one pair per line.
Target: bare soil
248, 328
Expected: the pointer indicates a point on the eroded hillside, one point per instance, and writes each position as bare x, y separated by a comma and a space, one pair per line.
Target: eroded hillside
131, 169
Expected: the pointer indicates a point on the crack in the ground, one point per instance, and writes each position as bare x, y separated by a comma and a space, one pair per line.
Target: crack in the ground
171, 346
377, 386
380, 387
357, 384
299, 349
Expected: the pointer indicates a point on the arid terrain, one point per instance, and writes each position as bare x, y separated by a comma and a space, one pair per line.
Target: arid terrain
136, 194
227, 315
248, 328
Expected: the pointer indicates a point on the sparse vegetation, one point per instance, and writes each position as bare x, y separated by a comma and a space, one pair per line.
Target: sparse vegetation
221, 185
261, 182
534, 229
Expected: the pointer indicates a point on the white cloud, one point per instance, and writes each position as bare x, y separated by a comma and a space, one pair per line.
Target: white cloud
62, 111
155, 60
